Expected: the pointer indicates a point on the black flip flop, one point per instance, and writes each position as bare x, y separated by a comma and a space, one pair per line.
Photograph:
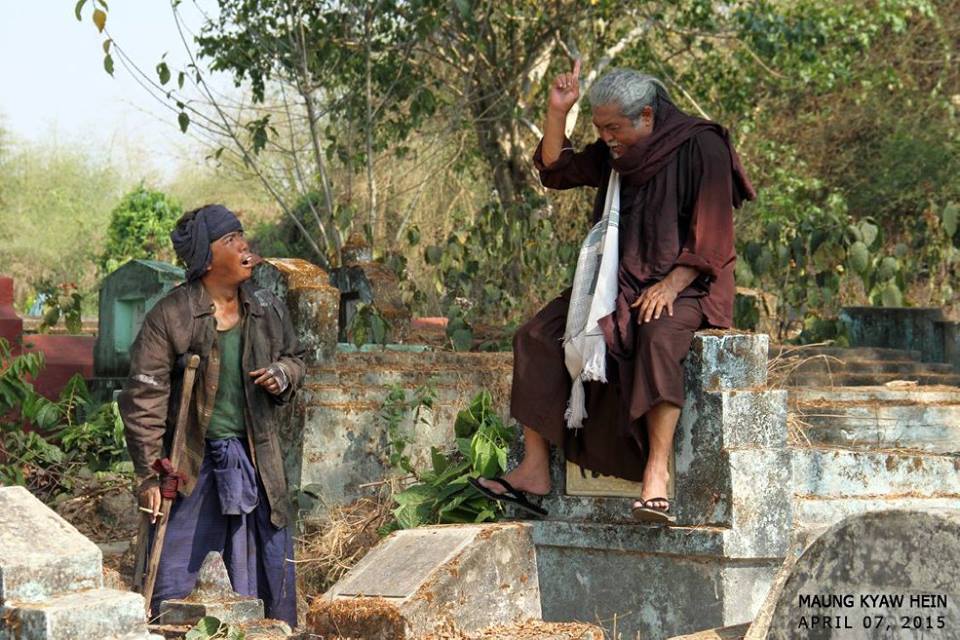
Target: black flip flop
654, 515
511, 495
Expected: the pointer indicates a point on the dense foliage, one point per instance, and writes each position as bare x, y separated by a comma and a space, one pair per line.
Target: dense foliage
440, 494
414, 123
140, 227
66, 437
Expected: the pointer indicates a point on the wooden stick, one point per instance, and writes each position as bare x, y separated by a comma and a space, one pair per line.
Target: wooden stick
176, 451
143, 540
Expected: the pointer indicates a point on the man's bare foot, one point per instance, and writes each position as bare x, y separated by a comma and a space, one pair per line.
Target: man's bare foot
529, 477
655, 483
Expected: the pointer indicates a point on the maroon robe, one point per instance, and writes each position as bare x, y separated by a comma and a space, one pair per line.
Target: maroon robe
678, 190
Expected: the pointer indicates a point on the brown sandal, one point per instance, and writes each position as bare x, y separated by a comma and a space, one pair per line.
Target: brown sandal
654, 515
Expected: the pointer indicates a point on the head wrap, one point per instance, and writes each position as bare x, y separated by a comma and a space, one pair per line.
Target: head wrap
192, 236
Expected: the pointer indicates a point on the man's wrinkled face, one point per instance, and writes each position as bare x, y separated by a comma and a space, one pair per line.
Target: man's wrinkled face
232, 260
618, 131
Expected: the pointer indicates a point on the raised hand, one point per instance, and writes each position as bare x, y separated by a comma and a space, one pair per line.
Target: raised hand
565, 90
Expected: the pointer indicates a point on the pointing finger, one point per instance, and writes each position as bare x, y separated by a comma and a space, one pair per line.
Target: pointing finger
576, 69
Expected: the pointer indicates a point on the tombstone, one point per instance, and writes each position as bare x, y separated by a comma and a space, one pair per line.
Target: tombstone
126, 296
363, 281
213, 596
424, 580
882, 574
51, 579
923, 329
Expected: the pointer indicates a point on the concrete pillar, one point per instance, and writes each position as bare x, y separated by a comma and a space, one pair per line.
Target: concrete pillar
11, 325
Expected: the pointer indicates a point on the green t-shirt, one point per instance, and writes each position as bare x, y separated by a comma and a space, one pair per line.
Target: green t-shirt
227, 419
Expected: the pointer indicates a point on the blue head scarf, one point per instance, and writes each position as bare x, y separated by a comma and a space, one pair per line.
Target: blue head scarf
193, 234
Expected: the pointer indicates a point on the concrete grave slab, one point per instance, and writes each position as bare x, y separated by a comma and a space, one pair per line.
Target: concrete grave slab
41, 554
417, 581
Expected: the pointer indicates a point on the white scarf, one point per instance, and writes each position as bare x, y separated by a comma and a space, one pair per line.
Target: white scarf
594, 296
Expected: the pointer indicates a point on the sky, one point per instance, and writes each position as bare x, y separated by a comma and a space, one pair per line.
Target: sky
54, 90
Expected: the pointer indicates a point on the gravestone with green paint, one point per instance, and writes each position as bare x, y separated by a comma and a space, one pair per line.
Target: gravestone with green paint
126, 295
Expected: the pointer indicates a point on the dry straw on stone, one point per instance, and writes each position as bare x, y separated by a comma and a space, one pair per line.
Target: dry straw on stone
331, 546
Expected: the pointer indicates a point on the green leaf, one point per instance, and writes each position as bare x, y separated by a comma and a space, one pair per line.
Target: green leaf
100, 19
949, 217
108, 64
465, 425
204, 629
462, 339
163, 73
184, 121
181, 76
433, 254
869, 232
413, 235
858, 256
106, 45
891, 296
888, 269
78, 8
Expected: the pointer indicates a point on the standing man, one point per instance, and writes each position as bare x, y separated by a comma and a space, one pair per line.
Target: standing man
230, 491
679, 180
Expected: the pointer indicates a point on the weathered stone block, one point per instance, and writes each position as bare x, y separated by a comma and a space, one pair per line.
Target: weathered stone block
344, 440
727, 360
41, 554
915, 328
213, 596
465, 577
911, 557
312, 302
104, 614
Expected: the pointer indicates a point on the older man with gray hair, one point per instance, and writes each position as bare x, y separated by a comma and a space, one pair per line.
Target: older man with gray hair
666, 185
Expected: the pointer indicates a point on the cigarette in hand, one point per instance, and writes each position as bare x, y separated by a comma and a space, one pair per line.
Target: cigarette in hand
150, 511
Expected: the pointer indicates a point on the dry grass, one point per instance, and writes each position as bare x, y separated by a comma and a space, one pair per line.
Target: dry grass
789, 359
331, 546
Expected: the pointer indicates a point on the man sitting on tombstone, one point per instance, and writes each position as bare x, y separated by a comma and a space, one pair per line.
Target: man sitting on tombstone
230, 491
631, 315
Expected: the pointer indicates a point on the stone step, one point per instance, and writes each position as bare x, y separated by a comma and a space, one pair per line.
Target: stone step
105, 614
843, 353
413, 361
327, 394
830, 483
847, 379
926, 394
932, 427
902, 367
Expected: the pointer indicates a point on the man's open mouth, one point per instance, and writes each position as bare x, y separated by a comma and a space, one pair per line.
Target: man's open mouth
250, 260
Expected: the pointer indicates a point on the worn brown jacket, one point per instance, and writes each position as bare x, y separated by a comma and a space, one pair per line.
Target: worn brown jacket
182, 323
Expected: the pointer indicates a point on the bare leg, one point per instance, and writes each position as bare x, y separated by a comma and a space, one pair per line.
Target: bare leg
661, 423
532, 475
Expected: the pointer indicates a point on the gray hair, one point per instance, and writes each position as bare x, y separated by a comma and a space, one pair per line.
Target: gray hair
631, 91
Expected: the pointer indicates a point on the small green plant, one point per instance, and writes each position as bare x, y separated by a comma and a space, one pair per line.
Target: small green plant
459, 331
394, 413
442, 494
64, 436
211, 628
368, 326
60, 301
